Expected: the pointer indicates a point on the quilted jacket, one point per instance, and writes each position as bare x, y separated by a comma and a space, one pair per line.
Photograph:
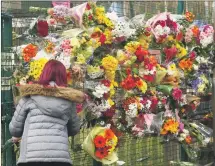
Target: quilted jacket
44, 118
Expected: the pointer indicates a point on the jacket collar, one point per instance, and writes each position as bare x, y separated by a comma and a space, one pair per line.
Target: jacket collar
60, 92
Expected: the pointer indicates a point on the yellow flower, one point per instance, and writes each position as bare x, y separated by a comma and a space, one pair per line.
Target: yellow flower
181, 51
81, 59
112, 143
36, 68
132, 46
110, 63
142, 85
111, 102
108, 35
74, 42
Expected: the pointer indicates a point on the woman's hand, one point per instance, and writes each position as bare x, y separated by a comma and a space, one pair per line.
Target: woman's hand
15, 139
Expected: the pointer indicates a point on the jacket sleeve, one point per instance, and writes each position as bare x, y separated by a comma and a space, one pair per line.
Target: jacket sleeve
16, 125
73, 125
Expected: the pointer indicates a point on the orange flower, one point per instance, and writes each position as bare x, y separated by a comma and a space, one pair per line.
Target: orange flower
186, 64
109, 134
188, 139
29, 52
171, 126
195, 31
99, 141
153, 60
101, 153
189, 16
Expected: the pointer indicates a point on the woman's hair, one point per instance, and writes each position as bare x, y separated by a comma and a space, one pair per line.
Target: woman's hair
53, 71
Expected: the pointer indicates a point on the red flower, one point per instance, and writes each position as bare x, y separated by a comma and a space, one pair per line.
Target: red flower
102, 38
99, 141
154, 104
78, 108
128, 83
141, 53
101, 153
106, 83
161, 23
128, 71
88, 7
179, 36
42, 28
109, 134
149, 78
109, 113
170, 53
163, 101
171, 24
90, 17
177, 94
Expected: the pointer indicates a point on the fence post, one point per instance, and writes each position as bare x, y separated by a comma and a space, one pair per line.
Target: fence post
213, 109
9, 158
180, 10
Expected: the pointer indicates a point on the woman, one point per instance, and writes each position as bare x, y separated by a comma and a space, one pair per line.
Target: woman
45, 117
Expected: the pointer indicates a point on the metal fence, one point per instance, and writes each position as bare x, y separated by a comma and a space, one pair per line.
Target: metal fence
148, 151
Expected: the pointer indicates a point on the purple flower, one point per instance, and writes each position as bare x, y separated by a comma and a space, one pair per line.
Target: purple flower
195, 83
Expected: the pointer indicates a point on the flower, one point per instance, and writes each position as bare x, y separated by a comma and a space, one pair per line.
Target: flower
188, 139
29, 52
109, 134
189, 16
128, 83
177, 94
141, 53
36, 68
101, 153
42, 28
186, 64
170, 53
170, 126
110, 63
99, 141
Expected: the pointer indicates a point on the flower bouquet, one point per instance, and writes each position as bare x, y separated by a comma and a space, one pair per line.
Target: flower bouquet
101, 145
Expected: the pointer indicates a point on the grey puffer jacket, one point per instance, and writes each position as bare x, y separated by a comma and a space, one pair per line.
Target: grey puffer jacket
44, 123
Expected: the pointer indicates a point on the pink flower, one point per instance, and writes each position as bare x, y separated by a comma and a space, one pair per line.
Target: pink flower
170, 53
192, 55
177, 94
52, 22
67, 52
78, 108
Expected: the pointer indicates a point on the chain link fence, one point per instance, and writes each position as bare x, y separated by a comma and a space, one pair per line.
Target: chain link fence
148, 151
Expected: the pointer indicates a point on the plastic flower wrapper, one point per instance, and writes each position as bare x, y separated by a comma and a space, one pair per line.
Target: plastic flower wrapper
101, 145
122, 28
162, 25
137, 21
202, 133
65, 60
160, 74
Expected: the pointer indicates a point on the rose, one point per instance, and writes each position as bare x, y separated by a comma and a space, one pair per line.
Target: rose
42, 28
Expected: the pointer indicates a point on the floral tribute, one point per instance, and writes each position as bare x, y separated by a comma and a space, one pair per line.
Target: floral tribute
101, 144
138, 74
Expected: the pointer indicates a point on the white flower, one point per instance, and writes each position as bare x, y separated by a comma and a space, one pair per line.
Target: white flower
149, 103
195, 67
183, 135
185, 131
100, 90
132, 106
132, 113
180, 139
206, 141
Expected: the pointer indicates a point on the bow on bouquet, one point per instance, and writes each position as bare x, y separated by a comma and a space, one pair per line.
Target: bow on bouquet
101, 145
